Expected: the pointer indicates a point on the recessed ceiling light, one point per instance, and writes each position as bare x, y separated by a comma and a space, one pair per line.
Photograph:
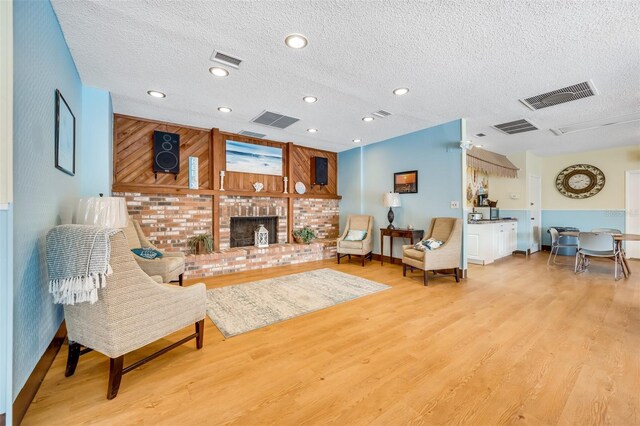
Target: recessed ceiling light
401, 91
296, 41
312, 130
479, 146
357, 141
367, 119
156, 94
310, 99
224, 109
218, 72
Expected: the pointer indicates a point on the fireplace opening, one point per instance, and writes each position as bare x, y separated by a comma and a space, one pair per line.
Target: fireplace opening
243, 228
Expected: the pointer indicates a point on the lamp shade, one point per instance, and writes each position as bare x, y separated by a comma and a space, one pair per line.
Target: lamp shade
110, 212
391, 199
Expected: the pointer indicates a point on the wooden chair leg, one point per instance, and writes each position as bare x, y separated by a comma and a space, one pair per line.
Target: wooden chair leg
404, 269
72, 358
200, 331
426, 278
362, 260
180, 279
115, 376
349, 258
455, 271
338, 256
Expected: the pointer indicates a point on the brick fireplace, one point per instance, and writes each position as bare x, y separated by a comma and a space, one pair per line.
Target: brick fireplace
234, 206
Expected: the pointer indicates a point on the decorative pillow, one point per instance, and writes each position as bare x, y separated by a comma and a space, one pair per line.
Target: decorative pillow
428, 244
354, 235
147, 253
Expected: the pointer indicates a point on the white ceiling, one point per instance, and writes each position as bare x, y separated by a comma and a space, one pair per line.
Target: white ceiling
466, 58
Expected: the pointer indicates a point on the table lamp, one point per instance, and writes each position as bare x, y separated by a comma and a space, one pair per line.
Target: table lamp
110, 212
391, 199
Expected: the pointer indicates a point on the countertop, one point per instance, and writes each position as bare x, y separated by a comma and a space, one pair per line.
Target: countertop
487, 221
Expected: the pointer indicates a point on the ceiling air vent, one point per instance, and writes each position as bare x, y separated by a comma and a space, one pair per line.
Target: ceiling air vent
225, 59
382, 113
273, 119
595, 124
518, 126
251, 134
560, 96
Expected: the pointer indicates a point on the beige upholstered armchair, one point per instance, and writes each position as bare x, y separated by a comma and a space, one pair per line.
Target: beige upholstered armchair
447, 256
362, 248
132, 311
170, 266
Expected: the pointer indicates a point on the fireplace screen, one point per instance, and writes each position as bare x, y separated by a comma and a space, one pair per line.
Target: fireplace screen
242, 229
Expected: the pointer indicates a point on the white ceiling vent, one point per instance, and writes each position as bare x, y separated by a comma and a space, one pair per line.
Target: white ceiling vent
273, 119
226, 59
251, 134
518, 126
381, 113
594, 124
560, 96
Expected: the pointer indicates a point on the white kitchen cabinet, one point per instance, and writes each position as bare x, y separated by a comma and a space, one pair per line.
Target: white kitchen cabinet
489, 241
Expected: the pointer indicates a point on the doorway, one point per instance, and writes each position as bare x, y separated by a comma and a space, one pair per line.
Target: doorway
535, 213
632, 210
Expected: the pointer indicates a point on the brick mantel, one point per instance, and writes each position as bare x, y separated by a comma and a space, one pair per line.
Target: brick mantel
169, 220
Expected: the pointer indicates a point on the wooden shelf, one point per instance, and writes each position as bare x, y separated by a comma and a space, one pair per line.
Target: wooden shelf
164, 189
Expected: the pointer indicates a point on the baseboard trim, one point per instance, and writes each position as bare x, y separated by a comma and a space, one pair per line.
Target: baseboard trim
30, 388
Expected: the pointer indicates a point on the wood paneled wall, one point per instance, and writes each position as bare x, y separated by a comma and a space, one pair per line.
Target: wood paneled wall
133, 161
133, 153
301, 169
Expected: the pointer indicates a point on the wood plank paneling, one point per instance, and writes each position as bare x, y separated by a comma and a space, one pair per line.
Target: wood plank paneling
301, 169
133, 153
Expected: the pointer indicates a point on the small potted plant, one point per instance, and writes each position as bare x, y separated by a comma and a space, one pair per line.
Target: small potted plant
304, 235
201, 243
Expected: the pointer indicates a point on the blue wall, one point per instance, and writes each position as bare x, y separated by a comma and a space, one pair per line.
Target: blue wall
585, 220
97, 134
434, 152
43, 195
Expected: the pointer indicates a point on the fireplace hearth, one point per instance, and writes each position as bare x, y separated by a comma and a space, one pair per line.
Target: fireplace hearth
243, 228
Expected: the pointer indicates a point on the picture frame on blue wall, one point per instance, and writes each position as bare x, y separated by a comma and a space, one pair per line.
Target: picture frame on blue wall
405, 182
65, 137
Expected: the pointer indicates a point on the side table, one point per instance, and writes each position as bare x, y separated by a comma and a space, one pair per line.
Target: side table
412, 234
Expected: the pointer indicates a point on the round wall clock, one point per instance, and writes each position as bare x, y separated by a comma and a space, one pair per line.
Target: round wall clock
580, 181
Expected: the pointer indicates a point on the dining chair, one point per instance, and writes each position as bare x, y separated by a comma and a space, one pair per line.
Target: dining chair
593, 244
555, 245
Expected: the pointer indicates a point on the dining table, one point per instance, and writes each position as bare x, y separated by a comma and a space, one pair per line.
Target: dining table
618, 238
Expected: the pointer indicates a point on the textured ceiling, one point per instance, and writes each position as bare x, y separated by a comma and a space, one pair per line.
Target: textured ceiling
471, 59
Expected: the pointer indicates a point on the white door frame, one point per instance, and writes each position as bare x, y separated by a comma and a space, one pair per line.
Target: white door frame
538, 207
627, 196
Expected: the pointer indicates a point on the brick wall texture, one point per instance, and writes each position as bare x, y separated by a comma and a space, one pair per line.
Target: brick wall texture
168, 220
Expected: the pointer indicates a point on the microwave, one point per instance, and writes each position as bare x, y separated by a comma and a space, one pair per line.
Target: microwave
488, 213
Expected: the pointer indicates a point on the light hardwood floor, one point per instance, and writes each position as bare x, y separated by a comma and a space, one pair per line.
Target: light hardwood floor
516, 342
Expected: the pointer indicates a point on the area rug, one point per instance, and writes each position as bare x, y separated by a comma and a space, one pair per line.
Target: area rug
237, 309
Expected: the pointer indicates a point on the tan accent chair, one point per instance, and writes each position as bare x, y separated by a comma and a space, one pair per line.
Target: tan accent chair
132, 311
447, 256
170, 266
362, 248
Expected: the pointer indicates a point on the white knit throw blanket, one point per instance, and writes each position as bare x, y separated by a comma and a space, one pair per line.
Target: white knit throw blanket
78, 260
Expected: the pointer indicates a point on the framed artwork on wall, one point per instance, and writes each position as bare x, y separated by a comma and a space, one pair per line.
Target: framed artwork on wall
251, 158
65, 136
405, 182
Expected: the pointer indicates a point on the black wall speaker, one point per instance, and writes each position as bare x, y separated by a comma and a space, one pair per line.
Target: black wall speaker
319, 171
166, 152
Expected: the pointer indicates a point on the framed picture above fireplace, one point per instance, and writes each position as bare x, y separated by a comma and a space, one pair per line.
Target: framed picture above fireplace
245, 157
